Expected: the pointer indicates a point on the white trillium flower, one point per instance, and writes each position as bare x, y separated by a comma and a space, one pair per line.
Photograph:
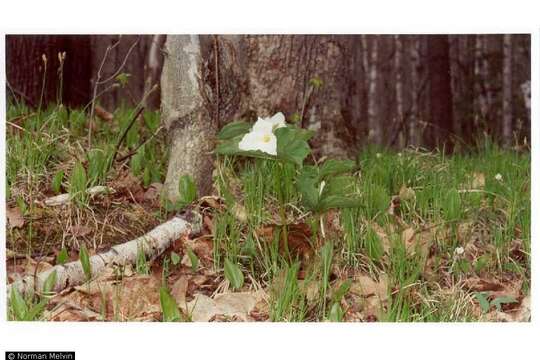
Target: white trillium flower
498, 177
261, 137
270, 123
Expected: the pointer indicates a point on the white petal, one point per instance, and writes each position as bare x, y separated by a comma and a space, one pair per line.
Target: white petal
270, 146
278, 120
262, 125
264, 141
249, 141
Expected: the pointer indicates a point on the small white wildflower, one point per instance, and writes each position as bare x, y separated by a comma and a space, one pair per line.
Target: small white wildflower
498, 177
261, 137
459, 251
378, 155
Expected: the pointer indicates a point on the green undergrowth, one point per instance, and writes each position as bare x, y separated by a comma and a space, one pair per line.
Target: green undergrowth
478, 200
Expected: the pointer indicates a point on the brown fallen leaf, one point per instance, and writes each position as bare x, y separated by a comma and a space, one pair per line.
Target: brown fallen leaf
364, 285
229, 306
372, 294
417, 241
132, 298
298, 239
32, 266
153, 192
178, 291
15, 217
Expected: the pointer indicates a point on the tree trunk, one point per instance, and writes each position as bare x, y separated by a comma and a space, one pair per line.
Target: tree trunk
413, 128
185, 114
374, 124
36, 82
441, 117
309, 76
211, 80
507, 91
399, 86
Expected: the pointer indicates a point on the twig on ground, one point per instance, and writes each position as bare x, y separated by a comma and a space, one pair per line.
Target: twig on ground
154, 243
63, 199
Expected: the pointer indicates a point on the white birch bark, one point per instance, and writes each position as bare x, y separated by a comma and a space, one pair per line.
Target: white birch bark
64, 199
507, 90
185, 116
71, 274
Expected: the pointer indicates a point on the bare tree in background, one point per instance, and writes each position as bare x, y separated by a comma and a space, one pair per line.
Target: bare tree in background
399, 84
507, 90
371, 63
441, 113
353, 89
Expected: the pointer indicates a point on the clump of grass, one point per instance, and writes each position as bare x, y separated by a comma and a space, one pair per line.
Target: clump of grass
443, 193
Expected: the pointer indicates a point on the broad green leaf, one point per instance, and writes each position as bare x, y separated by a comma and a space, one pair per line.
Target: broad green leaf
137, 161
308, 187
483, 301
339, 202
234, 129
373, 244
62, 257
339, 185
33, 313
97, 163
78, 182
230, 147
85, 262
292, 144
169, 308
187, 190
18, 305
49, 283
175, 258
497, 302
193, 258
336, 313
234, 274
336, 167
56, 183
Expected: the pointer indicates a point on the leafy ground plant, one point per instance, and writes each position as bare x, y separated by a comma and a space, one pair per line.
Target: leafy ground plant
387, 236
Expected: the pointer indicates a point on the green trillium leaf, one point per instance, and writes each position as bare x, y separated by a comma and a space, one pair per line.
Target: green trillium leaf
292, 144
234, 129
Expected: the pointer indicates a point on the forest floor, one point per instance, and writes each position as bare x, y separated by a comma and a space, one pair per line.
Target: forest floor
437, 238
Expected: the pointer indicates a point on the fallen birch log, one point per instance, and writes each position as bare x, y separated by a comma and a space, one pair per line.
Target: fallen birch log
63, 199
154, 243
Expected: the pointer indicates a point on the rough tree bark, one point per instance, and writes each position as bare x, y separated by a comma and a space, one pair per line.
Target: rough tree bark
370, 63
211, 80
413, 128
507, 91
184, 112
25, 68
399, 84
441, 115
